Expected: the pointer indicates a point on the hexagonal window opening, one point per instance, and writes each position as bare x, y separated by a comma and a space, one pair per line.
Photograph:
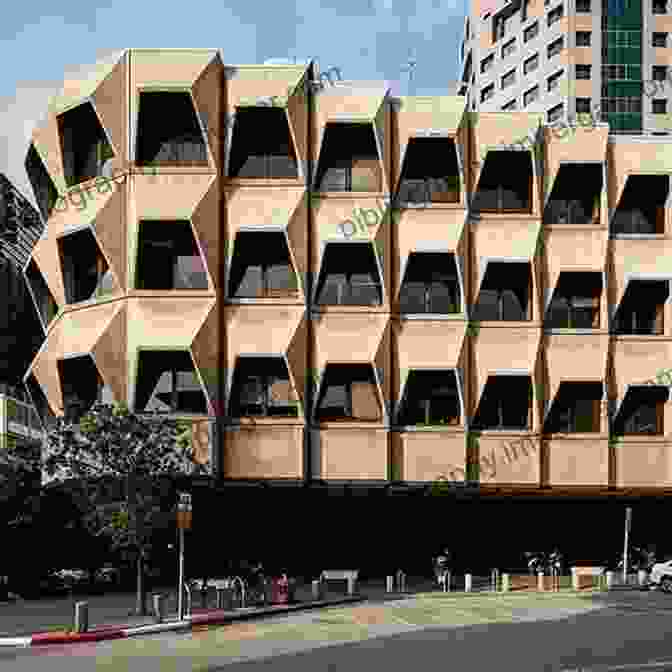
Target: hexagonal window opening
168, 257
505, 184
642, 411
635, 215
261, 266
430, 284
431, 397
349, 159
167, 382
576, 408
168, 131
575, 197
505, 293
430, 172
39, 400
43, 299
506, 403
262, 145
261, 387
86, 274
349, 276
86, 150
43, 186
82, 386
349, 392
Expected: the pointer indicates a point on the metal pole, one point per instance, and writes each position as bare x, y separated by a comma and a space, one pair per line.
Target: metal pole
180, 590
628, 521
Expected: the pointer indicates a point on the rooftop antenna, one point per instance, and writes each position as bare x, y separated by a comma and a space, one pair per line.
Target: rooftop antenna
410, 68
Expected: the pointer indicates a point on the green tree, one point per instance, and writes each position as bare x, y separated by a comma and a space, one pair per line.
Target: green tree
111, 441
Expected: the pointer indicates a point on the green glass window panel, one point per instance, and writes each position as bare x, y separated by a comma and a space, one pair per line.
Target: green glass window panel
624, 90
635, 73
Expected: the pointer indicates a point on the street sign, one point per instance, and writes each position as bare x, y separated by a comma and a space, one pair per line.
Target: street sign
184, 511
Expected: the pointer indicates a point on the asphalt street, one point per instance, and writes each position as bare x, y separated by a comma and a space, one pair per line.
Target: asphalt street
624, 633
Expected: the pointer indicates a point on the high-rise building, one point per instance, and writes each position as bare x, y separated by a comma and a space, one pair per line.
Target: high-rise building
565, 58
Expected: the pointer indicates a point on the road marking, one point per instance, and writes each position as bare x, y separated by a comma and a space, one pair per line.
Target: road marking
630, 666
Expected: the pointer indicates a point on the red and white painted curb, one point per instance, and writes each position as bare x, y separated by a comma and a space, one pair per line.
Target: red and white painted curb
103, 633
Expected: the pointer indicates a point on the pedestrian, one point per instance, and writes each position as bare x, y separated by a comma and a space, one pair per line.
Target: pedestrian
442, 566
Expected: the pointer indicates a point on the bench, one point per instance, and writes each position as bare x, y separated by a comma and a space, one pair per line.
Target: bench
349, 575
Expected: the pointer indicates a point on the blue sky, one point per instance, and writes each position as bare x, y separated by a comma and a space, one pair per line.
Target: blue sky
41, 41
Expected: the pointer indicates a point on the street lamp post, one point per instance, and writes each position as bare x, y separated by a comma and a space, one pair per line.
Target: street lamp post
183, 523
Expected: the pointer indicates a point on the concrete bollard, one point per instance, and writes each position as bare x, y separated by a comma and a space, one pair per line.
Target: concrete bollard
390, 584
467, 583
610, 580
540, 581
318, 593
642, 577
401, 581
81, 616
506, 583
575, 579
158, 604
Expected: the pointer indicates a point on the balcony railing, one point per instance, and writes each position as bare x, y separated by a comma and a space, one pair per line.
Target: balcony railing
19, 418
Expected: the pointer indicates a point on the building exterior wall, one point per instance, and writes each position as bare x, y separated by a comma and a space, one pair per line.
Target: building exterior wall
218, 330
478, 44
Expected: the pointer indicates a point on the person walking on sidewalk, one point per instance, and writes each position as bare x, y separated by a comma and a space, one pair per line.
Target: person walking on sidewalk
442, 566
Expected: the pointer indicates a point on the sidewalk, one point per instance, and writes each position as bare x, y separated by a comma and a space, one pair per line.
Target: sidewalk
49, 619
29, 623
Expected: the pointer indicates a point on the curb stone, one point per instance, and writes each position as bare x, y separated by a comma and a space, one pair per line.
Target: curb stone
215, 618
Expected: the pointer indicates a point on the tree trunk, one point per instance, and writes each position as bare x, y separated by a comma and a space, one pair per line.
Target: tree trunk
134, 524
141, 593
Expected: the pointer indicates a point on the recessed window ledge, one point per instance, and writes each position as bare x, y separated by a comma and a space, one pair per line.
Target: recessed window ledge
266, 300
638, 236
644, 438
452, 429
456, 317
349, 424
430, 206
576, 227
577, 332
519, 433
352, 195
350, 309
249, 422
641, 337
503, 324
265, 181
575, 436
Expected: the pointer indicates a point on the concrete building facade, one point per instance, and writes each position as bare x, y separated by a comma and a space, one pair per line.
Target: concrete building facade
563, 58
341, 287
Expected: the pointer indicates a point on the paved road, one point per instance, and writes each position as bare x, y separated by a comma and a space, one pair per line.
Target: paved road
623, 633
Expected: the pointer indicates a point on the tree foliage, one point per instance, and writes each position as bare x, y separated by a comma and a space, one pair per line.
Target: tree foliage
110, 443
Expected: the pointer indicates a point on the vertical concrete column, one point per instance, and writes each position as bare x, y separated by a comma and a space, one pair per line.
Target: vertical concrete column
317, 590
389, 586
467, 583
642, 577
352, 585
506, 583
575, 579
81, 616
540, 580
